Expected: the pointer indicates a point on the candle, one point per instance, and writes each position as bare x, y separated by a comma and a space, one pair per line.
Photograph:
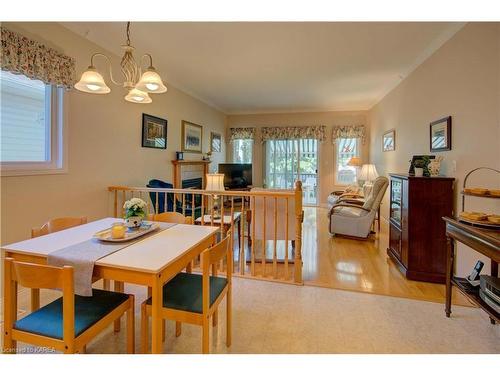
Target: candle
118, 230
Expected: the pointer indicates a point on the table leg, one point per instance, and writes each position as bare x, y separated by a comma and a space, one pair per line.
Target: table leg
119, 287
35, 299
494, 273
449, 273
156, 319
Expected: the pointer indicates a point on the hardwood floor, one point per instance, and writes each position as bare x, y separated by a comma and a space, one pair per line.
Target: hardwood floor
361, 266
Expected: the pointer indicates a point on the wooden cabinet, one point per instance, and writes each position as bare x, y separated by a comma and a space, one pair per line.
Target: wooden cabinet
417, 240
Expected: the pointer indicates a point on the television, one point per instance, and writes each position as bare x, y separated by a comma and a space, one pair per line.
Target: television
236, 176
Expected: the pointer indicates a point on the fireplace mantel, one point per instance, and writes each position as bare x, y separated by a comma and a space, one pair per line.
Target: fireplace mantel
178, 167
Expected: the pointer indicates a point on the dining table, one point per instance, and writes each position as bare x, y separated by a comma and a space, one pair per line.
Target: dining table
150, 261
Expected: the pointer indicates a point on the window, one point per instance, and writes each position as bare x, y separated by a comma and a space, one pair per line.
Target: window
31, 125
242, 151
346, 148
290, 160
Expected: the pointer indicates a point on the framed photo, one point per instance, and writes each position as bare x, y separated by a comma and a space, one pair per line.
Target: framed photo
440, 135
192, 137
389, 140
154, 132
215, 142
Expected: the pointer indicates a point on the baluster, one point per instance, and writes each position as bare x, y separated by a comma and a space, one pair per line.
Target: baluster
242, 236
231, 240
156, 203
165, 202
264, 240
222, 234
286, 239
275, 266
202, 209
252, 267
212, 211
193, 206
184, 204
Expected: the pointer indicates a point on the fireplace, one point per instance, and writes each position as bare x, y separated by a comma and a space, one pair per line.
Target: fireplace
186, 170
192, 183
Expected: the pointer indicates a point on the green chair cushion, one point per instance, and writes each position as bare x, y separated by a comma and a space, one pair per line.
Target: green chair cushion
184, 292
48, 320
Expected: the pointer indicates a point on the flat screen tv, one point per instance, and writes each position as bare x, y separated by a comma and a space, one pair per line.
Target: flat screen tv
236, 176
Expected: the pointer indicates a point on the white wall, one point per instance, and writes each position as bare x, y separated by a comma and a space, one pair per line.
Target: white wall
461, 79
104, 144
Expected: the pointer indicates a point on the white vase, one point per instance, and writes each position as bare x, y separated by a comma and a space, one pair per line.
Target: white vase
419, 172
133, 221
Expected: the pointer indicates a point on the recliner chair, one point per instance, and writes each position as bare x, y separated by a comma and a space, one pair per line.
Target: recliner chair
355, 220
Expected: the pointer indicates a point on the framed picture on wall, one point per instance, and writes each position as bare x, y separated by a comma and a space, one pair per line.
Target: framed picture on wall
389, 140
215, 142
154, 132
192, 137
440, 135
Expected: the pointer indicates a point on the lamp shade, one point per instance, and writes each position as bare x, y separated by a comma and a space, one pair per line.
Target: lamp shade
215, 182
92, 82
355, 162
151, 82
138, 96
368, 172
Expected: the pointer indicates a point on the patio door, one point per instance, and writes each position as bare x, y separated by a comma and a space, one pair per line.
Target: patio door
289, 160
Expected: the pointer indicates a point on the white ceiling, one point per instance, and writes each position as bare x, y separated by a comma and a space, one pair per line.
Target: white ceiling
251, 67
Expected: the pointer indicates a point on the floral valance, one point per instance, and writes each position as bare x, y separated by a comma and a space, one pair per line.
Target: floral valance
293, 132
241, 133
349, 131
35, 60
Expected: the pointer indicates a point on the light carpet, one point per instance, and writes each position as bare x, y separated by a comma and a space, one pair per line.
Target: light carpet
278, 318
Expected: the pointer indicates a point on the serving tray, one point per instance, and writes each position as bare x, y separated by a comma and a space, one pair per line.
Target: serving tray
130, 234
480, 223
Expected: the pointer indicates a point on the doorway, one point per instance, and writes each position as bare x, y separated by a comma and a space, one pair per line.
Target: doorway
289, 160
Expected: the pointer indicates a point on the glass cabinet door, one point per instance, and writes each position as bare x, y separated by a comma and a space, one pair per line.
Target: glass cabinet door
396, 189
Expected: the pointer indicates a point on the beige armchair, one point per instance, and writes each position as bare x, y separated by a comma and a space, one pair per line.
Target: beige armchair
354, 220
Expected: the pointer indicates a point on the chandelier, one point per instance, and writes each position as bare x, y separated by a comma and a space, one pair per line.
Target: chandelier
138, 84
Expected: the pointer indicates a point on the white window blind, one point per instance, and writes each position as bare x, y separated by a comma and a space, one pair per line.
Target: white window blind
242, 151
25, 119
346, 148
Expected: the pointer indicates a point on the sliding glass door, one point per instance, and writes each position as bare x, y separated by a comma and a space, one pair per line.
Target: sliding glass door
290, 160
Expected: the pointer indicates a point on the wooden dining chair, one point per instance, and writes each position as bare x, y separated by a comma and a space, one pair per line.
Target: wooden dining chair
51, 226
55, 225
66, 324
171, 217
193, 298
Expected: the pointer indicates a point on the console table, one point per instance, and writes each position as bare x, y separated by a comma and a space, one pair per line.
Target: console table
484, 241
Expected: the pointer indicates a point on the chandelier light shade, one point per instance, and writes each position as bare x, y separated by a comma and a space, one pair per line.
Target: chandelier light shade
137, 83
151, 82
368, 173
138, 96
92, 82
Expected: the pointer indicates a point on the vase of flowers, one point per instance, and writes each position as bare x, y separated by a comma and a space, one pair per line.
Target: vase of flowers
135, 211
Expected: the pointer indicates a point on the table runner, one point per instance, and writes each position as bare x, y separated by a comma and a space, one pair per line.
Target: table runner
82, 257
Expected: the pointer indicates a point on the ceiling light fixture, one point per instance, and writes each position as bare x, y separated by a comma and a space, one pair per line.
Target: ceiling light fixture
138, 84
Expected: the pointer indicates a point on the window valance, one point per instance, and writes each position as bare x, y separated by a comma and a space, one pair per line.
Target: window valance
293, 132
241, 133
349, 131
25, 56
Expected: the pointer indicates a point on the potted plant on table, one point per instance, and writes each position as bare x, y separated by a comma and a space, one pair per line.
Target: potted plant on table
422, 167
135, 212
